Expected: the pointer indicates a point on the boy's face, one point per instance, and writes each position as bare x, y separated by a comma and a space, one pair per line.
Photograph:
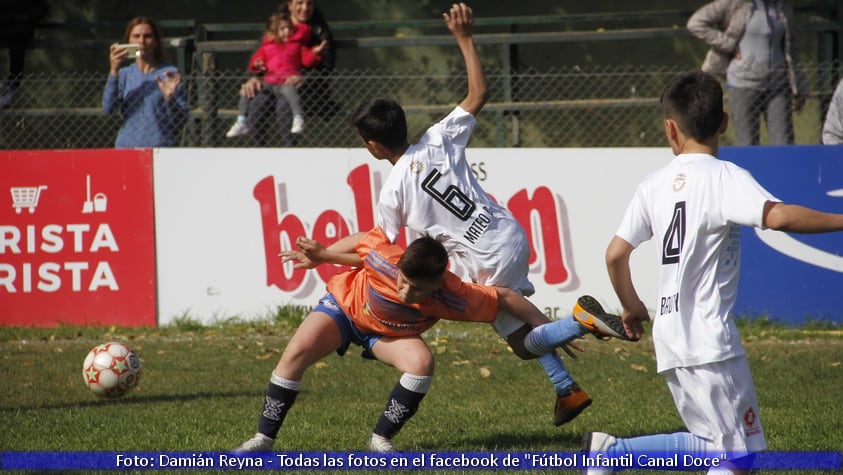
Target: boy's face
412, 291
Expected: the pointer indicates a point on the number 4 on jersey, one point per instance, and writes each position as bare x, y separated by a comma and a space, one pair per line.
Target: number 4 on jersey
675, 235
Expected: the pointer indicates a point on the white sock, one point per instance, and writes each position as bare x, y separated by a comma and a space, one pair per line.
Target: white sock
417, 384
285, 383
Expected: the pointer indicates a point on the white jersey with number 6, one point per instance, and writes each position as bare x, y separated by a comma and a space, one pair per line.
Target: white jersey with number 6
694, 207
432, 190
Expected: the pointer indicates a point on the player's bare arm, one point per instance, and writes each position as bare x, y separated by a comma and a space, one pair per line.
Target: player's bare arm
634, 310
799, 219
460, 21
310, 253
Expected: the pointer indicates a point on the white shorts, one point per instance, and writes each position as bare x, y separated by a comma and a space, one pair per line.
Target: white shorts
506, 324
717, 401
511, 272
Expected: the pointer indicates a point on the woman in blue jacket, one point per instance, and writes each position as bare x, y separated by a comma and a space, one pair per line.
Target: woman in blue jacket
147, 93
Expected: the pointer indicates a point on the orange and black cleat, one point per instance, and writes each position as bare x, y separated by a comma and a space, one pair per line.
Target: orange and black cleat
602, 325
570, 405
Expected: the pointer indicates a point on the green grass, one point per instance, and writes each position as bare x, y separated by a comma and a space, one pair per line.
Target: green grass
202, 386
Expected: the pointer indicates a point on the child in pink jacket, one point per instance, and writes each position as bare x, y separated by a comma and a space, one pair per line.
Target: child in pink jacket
282, 55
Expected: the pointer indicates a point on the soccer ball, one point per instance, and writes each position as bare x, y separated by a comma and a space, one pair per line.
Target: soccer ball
111, 369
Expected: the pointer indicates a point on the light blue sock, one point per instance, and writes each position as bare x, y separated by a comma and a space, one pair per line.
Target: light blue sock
545, 338
241, 118
679, 442
559, 376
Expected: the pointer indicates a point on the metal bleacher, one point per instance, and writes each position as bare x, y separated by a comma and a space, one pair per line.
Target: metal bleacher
198, 45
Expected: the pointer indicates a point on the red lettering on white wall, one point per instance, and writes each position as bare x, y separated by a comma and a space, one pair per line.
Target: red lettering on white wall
549, 237
539, 215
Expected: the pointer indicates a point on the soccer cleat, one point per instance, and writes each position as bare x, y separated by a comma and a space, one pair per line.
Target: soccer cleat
593, 443
298, 125
602, 325
379, 443
258, 443
570, 405
238, 129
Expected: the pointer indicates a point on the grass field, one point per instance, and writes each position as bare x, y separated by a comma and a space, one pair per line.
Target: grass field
202, 388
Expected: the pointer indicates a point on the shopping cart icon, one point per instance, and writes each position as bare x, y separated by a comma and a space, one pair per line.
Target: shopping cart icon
26, 197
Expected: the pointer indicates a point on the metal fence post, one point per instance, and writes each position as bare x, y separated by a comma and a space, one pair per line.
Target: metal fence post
506, 76
207, 99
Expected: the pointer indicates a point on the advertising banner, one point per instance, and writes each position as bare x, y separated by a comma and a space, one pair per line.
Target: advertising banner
223, 215
76, 238
793, 277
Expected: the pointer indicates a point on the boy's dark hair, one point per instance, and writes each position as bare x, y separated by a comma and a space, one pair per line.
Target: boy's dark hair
694, 100
424, 259
382, 120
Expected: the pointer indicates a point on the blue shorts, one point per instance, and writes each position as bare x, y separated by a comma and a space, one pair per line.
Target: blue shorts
348, 330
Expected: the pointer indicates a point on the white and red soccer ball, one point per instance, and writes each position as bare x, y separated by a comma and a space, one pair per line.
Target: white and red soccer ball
111, 369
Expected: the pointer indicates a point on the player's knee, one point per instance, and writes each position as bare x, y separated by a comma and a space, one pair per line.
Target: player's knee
522, 353
294, 356
516, 342
420, 363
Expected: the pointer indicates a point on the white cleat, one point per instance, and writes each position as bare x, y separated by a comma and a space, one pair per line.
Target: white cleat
258, 443
597, 442
378, 443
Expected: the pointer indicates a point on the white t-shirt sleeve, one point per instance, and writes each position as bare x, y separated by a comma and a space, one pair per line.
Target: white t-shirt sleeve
455, 128
390, 215
744, 198
636, 228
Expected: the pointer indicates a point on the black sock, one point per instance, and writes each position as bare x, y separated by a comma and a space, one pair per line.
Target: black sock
400, 407
276, 403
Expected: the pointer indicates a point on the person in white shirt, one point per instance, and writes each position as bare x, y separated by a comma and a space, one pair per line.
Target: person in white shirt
694, 207
432, 190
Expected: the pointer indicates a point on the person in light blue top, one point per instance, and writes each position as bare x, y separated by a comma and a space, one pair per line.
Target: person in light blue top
148, 94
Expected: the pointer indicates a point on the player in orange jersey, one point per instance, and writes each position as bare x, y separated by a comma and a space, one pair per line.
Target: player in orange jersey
384, 305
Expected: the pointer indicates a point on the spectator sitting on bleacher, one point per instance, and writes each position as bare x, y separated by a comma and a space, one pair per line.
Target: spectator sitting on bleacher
148, 93
314, 92
279, 62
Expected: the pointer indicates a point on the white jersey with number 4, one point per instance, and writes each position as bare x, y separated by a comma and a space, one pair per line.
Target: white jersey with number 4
694, 208
432, 190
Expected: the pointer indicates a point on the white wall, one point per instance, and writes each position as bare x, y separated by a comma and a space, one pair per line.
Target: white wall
211, 255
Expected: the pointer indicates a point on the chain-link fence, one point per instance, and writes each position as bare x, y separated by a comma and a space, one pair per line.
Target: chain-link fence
570, 107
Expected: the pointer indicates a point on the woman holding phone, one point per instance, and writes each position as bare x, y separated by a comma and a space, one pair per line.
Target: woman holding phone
147, 93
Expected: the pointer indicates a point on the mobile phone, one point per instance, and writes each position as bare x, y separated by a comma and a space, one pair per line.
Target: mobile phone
132, 49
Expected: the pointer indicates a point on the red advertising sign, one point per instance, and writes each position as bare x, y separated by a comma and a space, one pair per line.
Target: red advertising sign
77, 242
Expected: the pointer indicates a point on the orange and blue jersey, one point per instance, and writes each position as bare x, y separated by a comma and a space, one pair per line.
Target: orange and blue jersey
368, 295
